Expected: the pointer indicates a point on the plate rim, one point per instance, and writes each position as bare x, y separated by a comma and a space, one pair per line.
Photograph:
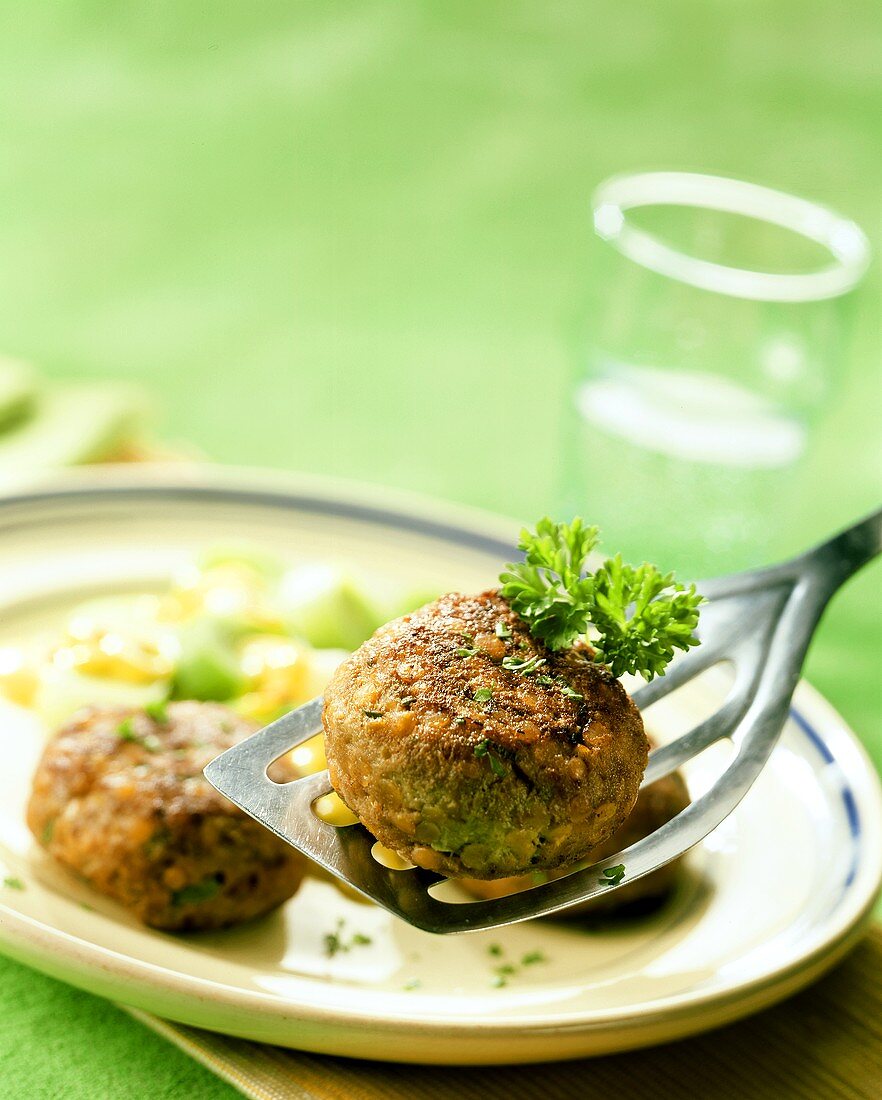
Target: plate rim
31, 941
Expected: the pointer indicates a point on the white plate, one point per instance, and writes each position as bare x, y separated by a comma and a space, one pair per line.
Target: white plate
771, 899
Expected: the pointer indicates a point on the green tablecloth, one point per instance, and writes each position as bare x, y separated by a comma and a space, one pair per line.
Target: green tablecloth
350, 237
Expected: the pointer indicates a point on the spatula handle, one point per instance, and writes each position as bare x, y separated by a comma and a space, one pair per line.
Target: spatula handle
843, 555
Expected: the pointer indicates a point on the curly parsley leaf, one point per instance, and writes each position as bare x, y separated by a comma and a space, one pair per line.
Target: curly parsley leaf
642, 616
548, 589
639, 614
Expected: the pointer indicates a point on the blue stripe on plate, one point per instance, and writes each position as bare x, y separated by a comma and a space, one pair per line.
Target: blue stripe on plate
282, 500
848, 799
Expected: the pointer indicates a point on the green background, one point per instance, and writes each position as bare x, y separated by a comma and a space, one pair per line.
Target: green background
351, 237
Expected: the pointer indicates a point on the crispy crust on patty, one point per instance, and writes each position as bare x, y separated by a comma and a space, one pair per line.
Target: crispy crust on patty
121, 799
530, 776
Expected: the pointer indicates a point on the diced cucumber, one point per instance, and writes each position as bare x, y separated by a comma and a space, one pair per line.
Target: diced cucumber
326, 607
207, 668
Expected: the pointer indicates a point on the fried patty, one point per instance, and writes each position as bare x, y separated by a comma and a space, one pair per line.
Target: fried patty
655, 805
120, 798
470, 748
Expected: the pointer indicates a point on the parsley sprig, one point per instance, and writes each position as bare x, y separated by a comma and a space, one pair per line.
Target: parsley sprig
640, 615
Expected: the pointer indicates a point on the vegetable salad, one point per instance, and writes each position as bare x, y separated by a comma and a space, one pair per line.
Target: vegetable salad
233, 626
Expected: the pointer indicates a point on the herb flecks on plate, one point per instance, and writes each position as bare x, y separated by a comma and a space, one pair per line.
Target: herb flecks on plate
639, 615
336, 943
503, 971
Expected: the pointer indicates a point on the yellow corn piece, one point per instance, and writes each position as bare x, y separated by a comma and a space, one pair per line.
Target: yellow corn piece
229, 589
310, 756
112, 657
18, 682
275, 668
332, 808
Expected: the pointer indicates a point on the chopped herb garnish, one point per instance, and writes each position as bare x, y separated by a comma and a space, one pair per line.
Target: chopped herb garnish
373, 714
332, 944
483, 695
408, 701
524, 665
13, 883
497, 767
48, 830
332, 941
158, 711
545, 681
570, 693
507, 970
335, 944
156, 844
640, 614
482, 749
411, 983
469, 639
463, 652
196, 892
126, 730
503, 630
612, 876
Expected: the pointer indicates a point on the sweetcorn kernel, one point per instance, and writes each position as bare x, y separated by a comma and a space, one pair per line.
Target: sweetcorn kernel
18, 682
332, 809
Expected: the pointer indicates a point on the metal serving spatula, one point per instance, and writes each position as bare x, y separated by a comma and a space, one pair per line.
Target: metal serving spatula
760, 622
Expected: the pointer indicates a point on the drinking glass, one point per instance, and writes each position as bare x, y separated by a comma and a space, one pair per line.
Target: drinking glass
715, 334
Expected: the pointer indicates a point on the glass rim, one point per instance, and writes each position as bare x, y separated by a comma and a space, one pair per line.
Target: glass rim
843, 239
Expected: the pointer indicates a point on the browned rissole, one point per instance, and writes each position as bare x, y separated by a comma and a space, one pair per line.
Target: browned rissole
472, 768
120, 798
655, 805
